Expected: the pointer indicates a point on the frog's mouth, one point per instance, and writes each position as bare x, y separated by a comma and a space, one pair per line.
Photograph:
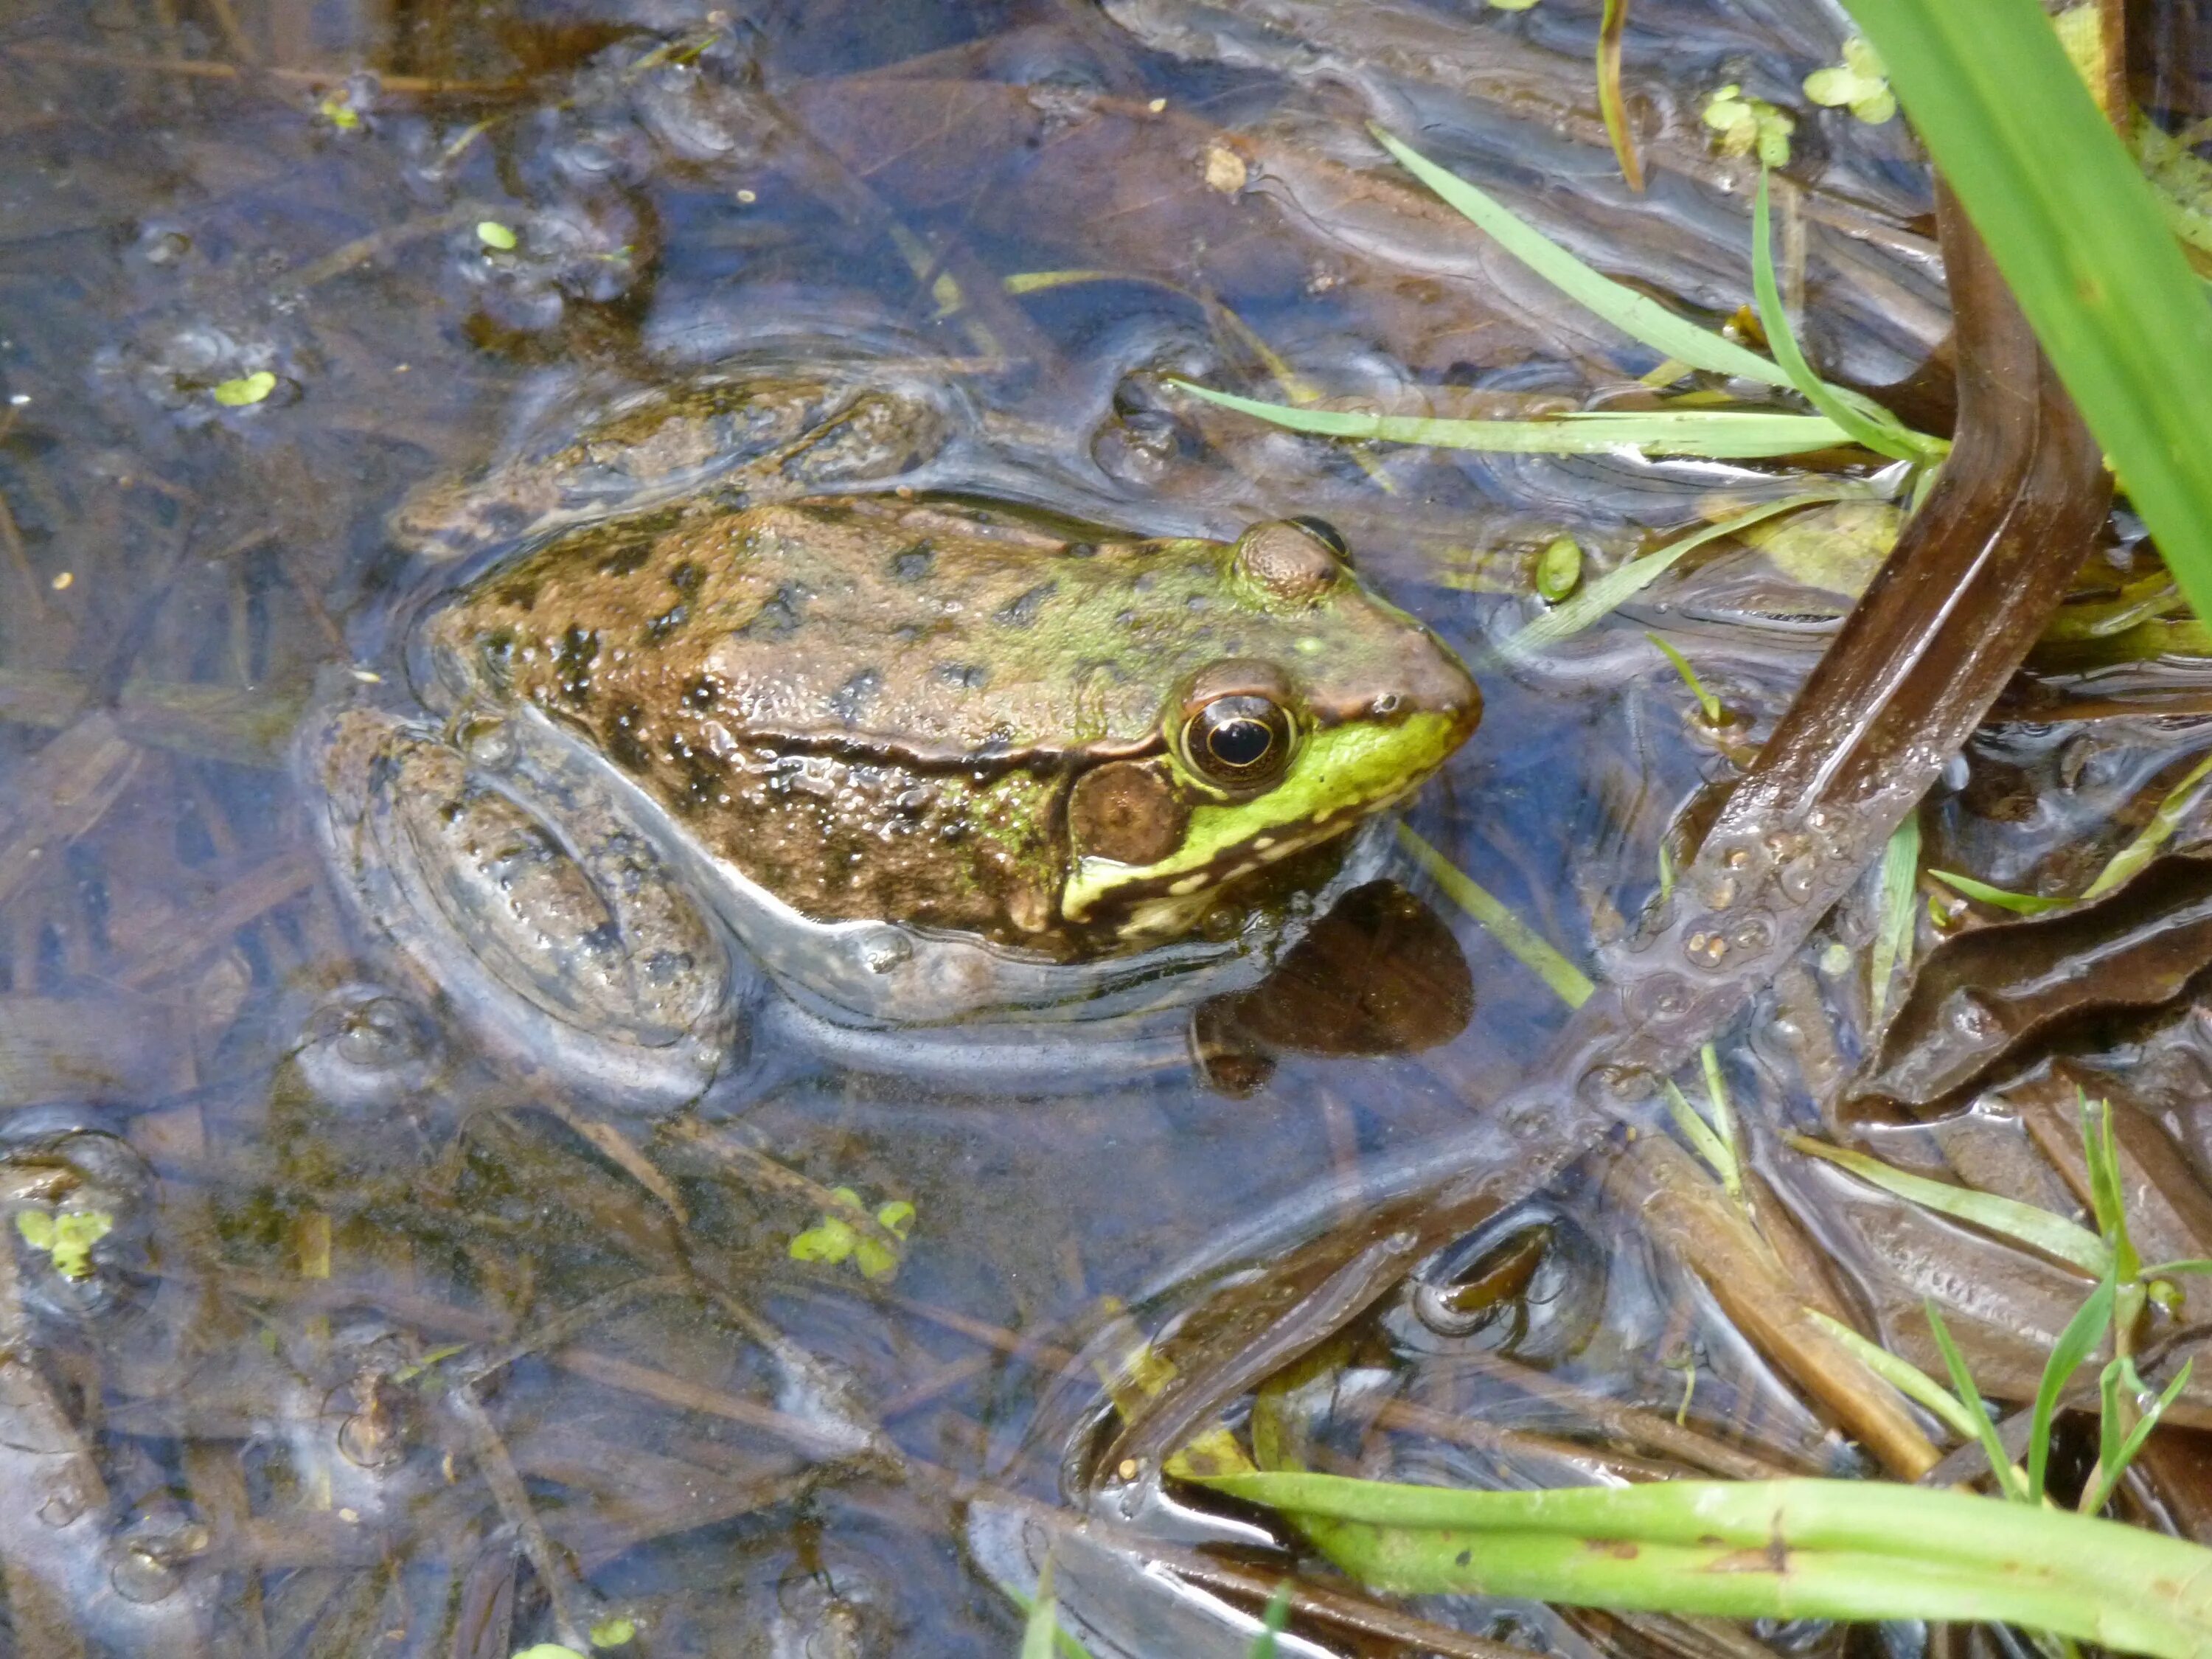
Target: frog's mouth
1343, 776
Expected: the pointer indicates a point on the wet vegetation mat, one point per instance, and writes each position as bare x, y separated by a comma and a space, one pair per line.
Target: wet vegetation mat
1167, 828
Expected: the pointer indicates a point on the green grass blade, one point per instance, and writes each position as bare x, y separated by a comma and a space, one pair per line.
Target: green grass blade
1522, 943
1907, 1378
1708, 704
1723, 1118
1271, 1622
2067, 1354
1900, 869
2010, 1480
2107, 1189
1598, 598
1713, 435
1699, 1133
1634, 314
2053, 1235
1042, 1624
2112, 1465
2077, 232
2137, 854
1883, 438
2020, 904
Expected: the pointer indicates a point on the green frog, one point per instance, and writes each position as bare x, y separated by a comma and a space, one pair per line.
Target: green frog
895, 775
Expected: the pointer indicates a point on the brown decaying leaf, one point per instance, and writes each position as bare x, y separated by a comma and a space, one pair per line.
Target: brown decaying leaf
1984, 996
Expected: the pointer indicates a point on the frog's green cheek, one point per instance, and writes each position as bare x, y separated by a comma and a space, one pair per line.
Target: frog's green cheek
1130, 811
1342, 774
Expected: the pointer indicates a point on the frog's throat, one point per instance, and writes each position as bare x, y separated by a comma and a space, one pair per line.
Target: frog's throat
1342, 775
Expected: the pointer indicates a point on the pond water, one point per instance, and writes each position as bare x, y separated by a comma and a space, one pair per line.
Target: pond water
408, 1335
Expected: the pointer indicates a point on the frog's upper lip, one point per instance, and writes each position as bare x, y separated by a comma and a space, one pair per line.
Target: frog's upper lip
1428, 679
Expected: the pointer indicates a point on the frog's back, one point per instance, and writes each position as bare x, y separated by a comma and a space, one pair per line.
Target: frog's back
934, 635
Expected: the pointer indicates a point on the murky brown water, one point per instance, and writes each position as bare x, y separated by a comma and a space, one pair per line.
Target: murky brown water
397, 1348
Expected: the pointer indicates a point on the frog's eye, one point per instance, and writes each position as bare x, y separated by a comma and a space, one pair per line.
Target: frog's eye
1238, 742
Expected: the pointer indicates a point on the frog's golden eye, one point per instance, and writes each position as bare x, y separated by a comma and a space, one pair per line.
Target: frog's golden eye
1238, 742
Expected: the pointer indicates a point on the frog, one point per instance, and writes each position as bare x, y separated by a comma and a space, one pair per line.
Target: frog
691, 775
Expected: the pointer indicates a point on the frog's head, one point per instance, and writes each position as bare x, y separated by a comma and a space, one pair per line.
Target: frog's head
1336, 706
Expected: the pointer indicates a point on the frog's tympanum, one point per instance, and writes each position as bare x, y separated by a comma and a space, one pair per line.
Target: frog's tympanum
912, 763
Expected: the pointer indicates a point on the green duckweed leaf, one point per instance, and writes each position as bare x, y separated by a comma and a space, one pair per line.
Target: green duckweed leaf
246, 390
1559, 569
1859, 83
65, 1236
1748, 125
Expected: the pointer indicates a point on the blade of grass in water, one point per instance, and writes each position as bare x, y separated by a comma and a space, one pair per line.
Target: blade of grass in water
1900, 864
1272, 1620
1907, 1378
2010, 1481
2138, 852
1634, 314
2020, 904
1708, 704
1723, 1118
2112, 1464
1615, 587
2123, 866
1042, 1625
2053, 1235
1699, 1133
1715, 434
1883, 436
1613, 22
1568, 983
2073, 1346
2078, 234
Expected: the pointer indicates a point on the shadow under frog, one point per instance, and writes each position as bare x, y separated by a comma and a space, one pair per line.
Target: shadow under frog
705, 775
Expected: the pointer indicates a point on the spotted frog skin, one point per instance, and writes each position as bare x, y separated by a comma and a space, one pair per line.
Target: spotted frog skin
913, 762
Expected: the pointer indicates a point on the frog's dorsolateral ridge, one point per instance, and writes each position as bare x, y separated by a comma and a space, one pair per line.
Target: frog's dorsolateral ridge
912, 763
